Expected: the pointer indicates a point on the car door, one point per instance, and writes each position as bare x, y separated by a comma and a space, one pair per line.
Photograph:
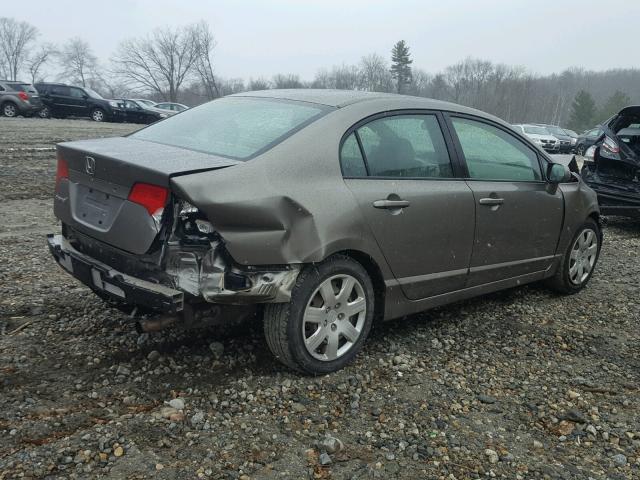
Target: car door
518, 217
77, 102
133, 112
421, 214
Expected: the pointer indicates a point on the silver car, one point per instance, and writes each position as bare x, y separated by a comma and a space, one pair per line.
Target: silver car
330, 209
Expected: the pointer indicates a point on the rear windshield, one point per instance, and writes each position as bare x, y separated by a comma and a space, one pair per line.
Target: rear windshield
535, 130
233, 127
22, 87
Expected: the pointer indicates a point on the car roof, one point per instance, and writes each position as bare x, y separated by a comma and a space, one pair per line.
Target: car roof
343, 98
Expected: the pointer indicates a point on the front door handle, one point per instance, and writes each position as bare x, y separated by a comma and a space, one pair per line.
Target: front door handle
391, 204
491, 201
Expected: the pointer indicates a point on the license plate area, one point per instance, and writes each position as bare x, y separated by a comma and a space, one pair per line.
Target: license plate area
95, 208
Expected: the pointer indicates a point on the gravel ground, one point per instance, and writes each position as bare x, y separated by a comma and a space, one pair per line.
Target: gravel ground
520, 384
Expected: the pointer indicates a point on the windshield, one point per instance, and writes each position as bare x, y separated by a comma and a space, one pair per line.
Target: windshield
556, 130
233, 127
92, 93
535, 130
571, 133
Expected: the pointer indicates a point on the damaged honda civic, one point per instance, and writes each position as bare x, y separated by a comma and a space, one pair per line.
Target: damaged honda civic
612, 164
324, 210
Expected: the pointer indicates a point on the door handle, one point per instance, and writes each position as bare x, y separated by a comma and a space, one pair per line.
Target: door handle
491, 201
391, 204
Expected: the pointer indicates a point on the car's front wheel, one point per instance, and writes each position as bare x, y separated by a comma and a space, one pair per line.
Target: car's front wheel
580, 259
327, 320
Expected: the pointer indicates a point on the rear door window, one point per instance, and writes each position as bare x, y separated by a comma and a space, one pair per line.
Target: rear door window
76, 92
405, 146
493, 154
60, 90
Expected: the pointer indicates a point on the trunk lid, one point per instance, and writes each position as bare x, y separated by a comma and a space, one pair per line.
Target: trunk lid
101, 175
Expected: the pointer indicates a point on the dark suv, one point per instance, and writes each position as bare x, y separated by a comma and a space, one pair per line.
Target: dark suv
18, 98
62, 100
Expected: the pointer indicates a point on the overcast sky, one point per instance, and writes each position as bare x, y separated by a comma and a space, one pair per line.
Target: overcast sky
260, 38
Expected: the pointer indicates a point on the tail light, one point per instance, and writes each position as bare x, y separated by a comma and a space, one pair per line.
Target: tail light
62, 171
610, 145
23, 95
151, 197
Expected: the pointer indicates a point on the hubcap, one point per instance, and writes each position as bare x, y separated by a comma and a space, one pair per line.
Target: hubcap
97, 116
9, 110
334, 317
44, 113
583, 256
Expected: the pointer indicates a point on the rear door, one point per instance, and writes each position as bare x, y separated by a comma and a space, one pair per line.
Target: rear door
421, 214
518, 220
78, 104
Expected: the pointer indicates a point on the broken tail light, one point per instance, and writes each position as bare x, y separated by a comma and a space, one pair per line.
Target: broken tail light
62, 171
152, 197
610, 145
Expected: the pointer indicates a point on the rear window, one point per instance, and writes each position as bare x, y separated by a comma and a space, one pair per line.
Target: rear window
22, 87
233, 127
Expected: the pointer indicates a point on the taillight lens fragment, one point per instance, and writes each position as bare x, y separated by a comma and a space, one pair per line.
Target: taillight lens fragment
62, 171
610, 145
23, 95
151, 197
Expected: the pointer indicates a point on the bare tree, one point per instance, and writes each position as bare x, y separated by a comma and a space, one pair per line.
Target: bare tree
286, 81
205, 43
159, 63
39, 59
15, 38
78, 62
374, 74
258, 84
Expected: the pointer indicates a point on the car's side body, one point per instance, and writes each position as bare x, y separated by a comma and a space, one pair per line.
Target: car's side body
67, 100
135, 111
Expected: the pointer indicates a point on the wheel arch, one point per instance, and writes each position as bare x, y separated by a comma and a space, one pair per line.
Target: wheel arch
375, 274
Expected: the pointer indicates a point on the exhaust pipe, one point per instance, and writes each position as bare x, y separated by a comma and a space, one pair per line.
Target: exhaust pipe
155, 324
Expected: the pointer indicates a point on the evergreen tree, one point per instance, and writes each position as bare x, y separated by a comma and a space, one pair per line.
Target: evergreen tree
583, 112
401, 65
616, 102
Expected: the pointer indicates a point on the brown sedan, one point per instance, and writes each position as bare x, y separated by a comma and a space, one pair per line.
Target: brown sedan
333, 209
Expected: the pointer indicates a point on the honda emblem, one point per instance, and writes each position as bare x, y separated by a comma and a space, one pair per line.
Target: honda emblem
90, 165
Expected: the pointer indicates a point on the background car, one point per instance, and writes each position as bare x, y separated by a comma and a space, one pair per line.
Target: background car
61, 100
145, 101
586, 139
174, 107
612, 164
134, 111
565, 142
18, 98
540, 136
328, 208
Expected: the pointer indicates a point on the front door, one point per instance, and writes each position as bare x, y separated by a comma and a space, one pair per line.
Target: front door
421, 215
518, 217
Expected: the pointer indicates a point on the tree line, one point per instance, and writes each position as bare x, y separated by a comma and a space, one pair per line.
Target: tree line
177, 64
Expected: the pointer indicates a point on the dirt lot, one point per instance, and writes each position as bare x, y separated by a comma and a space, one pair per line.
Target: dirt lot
521, 384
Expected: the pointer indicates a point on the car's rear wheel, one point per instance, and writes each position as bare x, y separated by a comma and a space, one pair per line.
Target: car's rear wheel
327, 320
580, 150
579, 261
44, 112
97, 115
9, 109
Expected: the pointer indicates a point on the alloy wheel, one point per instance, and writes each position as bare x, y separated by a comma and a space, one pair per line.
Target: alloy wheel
44, 112
583, 256
334, 317
97, 116
9, 110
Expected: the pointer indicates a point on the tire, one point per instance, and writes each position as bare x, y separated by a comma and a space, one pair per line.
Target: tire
44, 112
9, 109
97, 115
580, 150
569, 278
327, 325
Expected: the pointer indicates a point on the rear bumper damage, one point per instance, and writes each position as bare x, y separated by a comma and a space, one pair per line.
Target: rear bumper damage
112, 283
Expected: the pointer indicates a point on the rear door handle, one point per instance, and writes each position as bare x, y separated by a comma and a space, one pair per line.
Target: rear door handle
391, 204
491, 201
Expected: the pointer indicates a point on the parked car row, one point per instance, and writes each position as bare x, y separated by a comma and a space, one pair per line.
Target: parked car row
61, 100
551, 138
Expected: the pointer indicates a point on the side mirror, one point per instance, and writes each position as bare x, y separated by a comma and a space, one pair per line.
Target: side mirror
558, 173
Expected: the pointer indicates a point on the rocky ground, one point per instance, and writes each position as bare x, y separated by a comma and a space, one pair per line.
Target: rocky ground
521, 384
